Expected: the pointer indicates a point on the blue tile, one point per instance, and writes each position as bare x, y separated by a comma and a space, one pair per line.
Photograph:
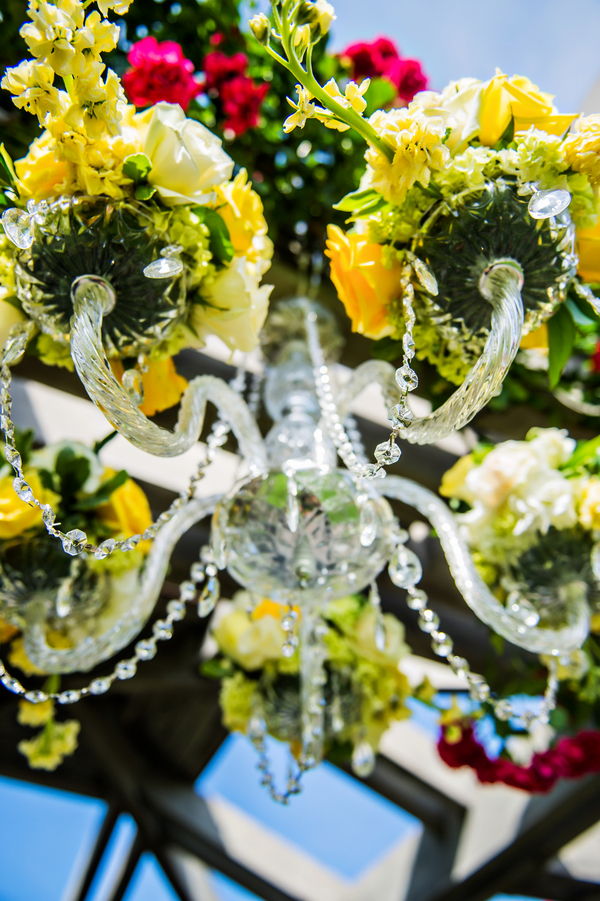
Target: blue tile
149, 882
339, 822
46, 838
227, 890
113, 860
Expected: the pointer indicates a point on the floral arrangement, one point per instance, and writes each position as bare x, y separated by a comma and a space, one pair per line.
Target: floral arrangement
381, 59
78, 596
365, 690
456, 180
118, 190
530, 512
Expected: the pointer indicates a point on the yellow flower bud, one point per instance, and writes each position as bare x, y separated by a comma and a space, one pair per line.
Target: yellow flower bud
260, 28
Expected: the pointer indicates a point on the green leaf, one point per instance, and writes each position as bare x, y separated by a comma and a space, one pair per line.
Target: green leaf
72, 471
356, 199
380, 92
104, 492
47, 479
387, 349
561, 338
137, 167
584, 452
216, 669
507, 136
104, 441
219, 242
144, 192
8, 176
581, 319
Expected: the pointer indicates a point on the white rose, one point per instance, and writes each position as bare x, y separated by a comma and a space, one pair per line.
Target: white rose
236, 307
188, 160
9, 316
459, 105
502, 470
553, 446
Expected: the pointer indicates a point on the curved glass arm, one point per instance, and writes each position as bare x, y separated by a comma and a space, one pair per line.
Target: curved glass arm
500, 286
474, 590
573, 399
121, 627
92, 299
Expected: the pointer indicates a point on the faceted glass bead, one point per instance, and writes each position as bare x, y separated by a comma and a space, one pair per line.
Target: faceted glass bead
163, 268
363, 759
405, 568
209, 597
197, 572
459, 665
99, 686
387, 453
416, 599
407, 378
48, 515
106, 548
290, 645
176, 610
17, 226
187, 591
545, 204
428, 621
126, 669
442, 644
289, 621
162, 630
68, 697
425, 276
12, 684
400, 416
368, 524
36, 697
145, 649
503, 709
131, 543
408, 343
74, 542
12, 456
23, 490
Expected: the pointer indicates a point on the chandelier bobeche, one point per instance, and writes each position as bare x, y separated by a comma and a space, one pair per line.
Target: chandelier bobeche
463, 222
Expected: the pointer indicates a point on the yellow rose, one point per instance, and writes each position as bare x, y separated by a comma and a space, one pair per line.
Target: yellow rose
505, 97
588, 248
589, 504
251, 642
364, 285
41, 174
535, 339
163, 386
454, 480
242, 211
127, 512
15, 515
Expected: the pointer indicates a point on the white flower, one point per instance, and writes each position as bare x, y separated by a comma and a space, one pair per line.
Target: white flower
188, 160
552, 446
522, 748
236, 307
459, 105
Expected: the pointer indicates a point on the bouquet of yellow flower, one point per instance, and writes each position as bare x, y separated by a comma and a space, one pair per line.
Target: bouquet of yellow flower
481, 179
260, 660
530, 514
146, 201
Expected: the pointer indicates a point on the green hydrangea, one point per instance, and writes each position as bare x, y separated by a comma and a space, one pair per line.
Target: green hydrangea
237, 700
54, 353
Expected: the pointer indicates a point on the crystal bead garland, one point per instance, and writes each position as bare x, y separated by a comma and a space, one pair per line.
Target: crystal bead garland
406, 576
145, 649
331, 418
75, 542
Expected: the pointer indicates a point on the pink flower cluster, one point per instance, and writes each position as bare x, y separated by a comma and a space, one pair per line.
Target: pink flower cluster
570, 759
160, 72
227, 80
381, 59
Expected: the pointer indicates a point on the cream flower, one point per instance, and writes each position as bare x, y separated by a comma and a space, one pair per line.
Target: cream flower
418, 150
325, 15
31, 84
304, 109
236, 307
459, 105
251, 643
188, 161
589, 504
119, 7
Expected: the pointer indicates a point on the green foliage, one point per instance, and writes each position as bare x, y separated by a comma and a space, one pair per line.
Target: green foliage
137, 167
24, 439
380, 92
561, 338
103, 493
219, 243
387, 349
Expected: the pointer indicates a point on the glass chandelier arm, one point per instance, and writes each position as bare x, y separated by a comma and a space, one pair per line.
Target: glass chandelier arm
474, 590
91, 651
92, 365
373, 371
501, 286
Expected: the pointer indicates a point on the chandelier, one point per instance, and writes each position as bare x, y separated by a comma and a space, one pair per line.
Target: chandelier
114, 279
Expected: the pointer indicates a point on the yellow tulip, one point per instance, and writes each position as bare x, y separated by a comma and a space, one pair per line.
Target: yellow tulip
588, 242
127, 512
365, 286
163, 387
505, 97
15, 515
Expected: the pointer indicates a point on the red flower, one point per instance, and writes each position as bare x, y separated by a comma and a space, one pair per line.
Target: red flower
595, 358
240, 97
159, 72
570, 759
381, 59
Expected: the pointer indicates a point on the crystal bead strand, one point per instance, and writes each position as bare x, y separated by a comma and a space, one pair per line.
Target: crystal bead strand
331, 417
75, 541
257, 733
145, 649
405, 571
